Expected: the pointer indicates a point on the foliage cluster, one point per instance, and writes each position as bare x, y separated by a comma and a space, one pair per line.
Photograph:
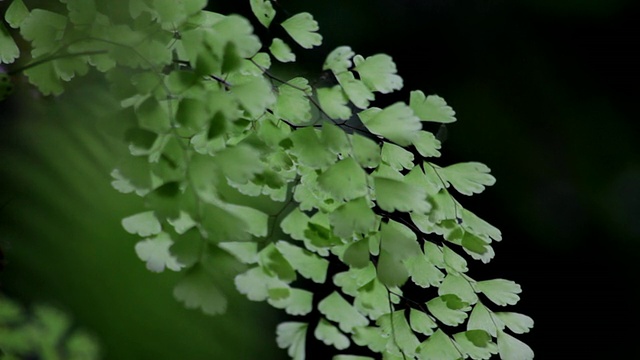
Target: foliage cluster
42, 334
283, 180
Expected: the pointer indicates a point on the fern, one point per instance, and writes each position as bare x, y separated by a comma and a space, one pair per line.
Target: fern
287, 178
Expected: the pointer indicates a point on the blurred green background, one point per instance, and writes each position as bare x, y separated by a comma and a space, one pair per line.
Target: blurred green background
545, 93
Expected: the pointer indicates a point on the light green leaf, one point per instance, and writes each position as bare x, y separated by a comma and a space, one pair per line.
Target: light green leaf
517, 323
333, 102
302, 28
398, 240
392, 195
263, 11
281, 51
45, 78
245, 252
308, 193
453, 262
320, 237
479, 227
293, 104
179, 81
391, 271
306, 263
421, 322
365, 151
378, 72
153, 116
221, 225
444, 207
339, 60
417, 177
370, 337
256, 221
337, 309
372, 299
423, 272
237, 30
295, 224
298, 303
155, 252
476, 344
204, 175
481, 319
344, 180
512, 348
357, 254
261, 59
81, 12
9, 51
256, 284
192, 7
439, 346
427, 144
197, 290
355, 89
168, 10
500, 291
309, 150
431, 108
396, 327
239, 163
468, 178
474, 243
395, 122
273, 262
193, 114
145, 53
458, 285
272, 131
254, 94
352, 217
449, 309
434, 254
44, 29
292, 336
352, 280
143, 224
397, 157
335, 139
397, 243
16, 13
330, 335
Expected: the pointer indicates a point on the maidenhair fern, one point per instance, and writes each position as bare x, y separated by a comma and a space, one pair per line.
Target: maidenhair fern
282, 178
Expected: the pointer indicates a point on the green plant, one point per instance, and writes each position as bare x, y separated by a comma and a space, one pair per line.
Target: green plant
44, 334
276, 180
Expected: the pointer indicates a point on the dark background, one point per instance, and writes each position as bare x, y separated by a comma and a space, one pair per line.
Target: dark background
545, 94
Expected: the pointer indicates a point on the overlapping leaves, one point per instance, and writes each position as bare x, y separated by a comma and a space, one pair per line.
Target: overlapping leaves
274, 181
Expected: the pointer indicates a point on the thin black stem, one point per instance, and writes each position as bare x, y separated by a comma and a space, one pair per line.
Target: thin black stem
283, 208
419, 305
393, 329
444, 187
